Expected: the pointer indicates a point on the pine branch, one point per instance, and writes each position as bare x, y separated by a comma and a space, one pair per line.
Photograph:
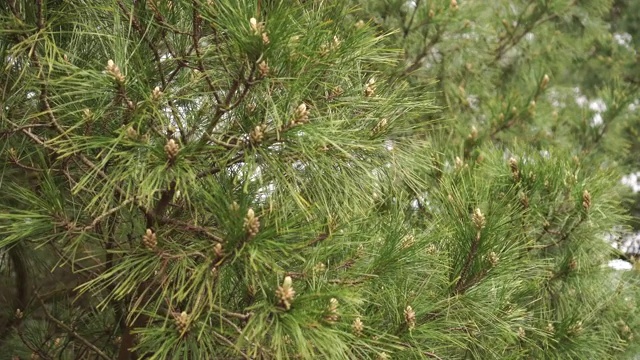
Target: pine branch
70, 331
104, 215
195, 35
461, 285
22, 285
417, 63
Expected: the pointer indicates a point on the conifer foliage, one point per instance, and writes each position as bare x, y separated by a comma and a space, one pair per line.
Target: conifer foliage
194, 179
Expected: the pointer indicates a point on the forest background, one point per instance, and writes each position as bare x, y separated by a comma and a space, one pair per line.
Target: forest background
309, 179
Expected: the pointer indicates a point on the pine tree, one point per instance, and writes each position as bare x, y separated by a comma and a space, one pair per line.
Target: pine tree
306, 179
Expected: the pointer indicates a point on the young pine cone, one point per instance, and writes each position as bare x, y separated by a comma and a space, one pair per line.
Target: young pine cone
150, 240
251, 224
181, 321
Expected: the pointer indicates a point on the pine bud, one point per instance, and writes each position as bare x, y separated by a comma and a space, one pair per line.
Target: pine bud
521, 333
431, 249
454, 5
332, 316
410, 317
319, 267
263, 69
573, 264
87, 114
156, 94
181, 321
357, 326
360, 251
335, 92
257, 134
459, 164
544, 82
478, 219
408, 241
114, 71
336, 41
513, 164
623, 327
265, 38
324, 49
19, 314
550, 328
149, 240
286, 293
586, 200
370, 88
171, 149
13, 154
532, 107
255, 26
217, 249
251, 224
383, 356
474, 133
300, 115
234, 206
493, 259
576, 328
524, 200
132, 133
506, 25
359, 24
381, 125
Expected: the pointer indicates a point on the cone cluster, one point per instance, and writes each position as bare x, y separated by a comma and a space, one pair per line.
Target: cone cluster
251, 223
285, 293
332, 315
182, 321
300, 115
357, 326
263, 69
478, 218
586, 200
370, 88
410, 317
257, 134
513, 165
156, 94
171, 149
150, 240
114, 70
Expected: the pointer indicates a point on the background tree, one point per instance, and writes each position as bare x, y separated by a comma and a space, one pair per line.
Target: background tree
268, 180
552, 74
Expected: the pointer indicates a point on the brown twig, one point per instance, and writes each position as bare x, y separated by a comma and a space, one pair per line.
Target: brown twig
70, 331
196, 228
425, 52
33, 349
102, 216
460, 285
196, 38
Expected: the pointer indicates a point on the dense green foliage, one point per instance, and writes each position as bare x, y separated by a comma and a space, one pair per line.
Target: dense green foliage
313, 180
